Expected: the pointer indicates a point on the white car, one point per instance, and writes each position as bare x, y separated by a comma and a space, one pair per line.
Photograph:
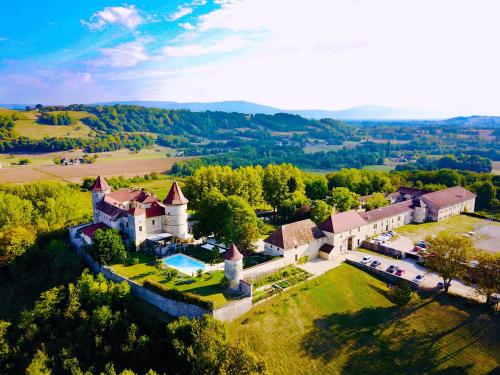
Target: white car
366, 259
418, 279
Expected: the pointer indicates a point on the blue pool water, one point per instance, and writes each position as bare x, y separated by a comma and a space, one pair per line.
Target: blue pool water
184, 264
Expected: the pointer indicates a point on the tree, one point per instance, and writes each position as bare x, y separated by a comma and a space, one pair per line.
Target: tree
210, 214
240, 225
375, 201
279, 182
486, 193
344, 200
448, 256
320, 211
107, 245
38, 365
316, 187
401, 294
486, 274
14, 241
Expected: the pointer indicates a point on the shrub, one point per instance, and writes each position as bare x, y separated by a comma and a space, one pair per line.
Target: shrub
400, 294
178, 295
199, 272
303, 259
224, 282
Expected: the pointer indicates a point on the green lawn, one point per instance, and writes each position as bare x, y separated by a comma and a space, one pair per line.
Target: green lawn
458, 225
380, 167
206, 286
342, 323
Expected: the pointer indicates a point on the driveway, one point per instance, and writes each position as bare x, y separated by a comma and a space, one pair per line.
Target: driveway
319, 266
413, 269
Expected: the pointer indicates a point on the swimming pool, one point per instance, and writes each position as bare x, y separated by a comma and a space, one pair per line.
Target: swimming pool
184, 264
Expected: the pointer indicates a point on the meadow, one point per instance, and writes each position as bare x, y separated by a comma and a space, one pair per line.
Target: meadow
343, 323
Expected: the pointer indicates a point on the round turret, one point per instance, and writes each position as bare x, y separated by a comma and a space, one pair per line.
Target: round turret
233, 266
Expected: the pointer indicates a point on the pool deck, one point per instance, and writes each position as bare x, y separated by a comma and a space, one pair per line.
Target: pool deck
206, 267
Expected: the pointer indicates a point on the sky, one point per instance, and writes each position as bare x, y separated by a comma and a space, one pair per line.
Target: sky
440, 56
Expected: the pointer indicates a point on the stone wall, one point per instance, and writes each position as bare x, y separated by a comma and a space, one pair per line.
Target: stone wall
393, 279
263, 269
233, 310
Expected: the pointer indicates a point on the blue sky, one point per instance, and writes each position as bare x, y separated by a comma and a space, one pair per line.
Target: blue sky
441, 56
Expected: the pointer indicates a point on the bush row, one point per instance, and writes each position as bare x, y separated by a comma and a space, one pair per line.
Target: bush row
178, 295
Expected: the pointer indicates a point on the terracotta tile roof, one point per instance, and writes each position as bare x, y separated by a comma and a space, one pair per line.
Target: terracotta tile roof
233, 253
448, 197
90, 230
175, 195
127, 195
387, 211
100, 185
112, 211
136, 211
342, 221
295, 234
156, 209
326, 248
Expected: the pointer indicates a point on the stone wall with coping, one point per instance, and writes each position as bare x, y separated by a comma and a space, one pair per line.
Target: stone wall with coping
263, 269
233, 309
393, 279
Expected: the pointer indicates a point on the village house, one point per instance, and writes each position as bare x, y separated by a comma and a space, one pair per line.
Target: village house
139, 216
347, 230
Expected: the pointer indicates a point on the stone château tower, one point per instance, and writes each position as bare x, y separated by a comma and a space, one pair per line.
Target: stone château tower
233, 266
99, 189
176, 212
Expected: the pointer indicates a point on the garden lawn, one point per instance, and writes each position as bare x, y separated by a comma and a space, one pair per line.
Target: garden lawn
458, 225
342, 322
207, 286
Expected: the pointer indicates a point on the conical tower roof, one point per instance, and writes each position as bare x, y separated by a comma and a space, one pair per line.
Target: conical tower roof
233, 253
100, 185
175, 195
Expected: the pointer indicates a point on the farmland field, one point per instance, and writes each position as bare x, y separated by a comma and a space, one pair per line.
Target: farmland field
495, 167
75, 173
343, 323
326, 148
381, 167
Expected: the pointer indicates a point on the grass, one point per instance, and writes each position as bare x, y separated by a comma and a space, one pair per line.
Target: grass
457, 225
326, 148
380, 167
206, 286
342, 322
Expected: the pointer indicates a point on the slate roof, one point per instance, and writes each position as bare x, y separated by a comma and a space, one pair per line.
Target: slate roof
414, 192
295, 234
233, 253
175, 195
90, 230
448, 197
387, 211
326, 248
112, 211
342, 221
100, 185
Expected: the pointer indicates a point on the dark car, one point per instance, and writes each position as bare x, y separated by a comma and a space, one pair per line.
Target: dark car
400, 272
375, 263
392, 268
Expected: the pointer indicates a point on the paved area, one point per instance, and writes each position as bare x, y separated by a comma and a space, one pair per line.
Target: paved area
319, 266
413, 269
401, 243
488, 238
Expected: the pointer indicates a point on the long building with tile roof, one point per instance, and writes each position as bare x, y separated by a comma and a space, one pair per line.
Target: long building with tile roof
138, 214
347, 230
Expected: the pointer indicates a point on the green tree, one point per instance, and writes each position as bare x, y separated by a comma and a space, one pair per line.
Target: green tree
107, 246
316, 187
210, 214
240, 225
486, 274
486, 193
401, 294
320, 211
448, 256
344, 200
375, 201
280, 182
39, 364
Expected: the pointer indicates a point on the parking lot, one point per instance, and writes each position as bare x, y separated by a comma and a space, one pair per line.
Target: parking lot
412, 269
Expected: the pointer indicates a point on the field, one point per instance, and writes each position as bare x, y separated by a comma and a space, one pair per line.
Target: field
457, 225
326, 148
206, 286
381, 167
495, 167
127, 167
342, 323
27, 126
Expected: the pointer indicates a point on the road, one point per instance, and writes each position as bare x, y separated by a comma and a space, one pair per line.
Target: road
413, 269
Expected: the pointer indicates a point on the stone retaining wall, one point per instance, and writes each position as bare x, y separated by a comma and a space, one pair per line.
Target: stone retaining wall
393, 279
263, 269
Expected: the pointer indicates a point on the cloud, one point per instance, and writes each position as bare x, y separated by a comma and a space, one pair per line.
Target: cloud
181, 11
127, 17
227, 44
124, 55
186, 26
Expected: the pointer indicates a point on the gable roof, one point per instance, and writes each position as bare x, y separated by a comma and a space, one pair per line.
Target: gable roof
414, 192
175, 195
90, 230
100, 185
295, 234
156, 209
387, 211
233, 253
448, 197
127, 195
342, 221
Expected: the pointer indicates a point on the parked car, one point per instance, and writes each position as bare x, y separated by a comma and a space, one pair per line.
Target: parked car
400, 272
417, 249
392, 233
392, 268
471, 233
474, 263
418, 279
366, 259
440, 285
375, 264
422, 244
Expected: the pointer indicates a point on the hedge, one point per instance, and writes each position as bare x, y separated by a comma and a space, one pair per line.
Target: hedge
178, 295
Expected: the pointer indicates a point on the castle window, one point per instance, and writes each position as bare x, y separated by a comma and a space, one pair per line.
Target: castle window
126, 224
153, 222
140, 228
